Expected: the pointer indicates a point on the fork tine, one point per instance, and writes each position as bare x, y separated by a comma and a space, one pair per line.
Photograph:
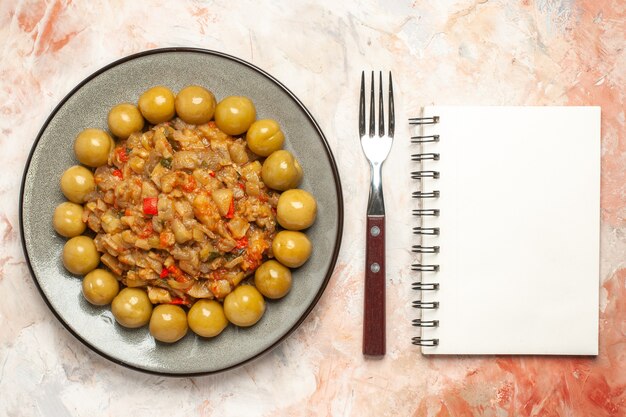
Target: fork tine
362, 106
372, 118
381, 110
392, 116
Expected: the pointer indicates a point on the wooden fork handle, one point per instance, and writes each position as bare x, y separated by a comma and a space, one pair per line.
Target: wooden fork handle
374, 310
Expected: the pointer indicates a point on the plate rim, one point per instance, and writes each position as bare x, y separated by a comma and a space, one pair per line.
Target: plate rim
329, 154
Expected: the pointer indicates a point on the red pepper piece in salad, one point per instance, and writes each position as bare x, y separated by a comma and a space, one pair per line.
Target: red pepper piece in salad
231, 209
150, 206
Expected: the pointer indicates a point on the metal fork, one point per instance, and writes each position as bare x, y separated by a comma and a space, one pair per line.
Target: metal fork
376, 147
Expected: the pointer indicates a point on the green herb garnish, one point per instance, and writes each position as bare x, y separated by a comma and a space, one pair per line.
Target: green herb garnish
212, 256
166, 162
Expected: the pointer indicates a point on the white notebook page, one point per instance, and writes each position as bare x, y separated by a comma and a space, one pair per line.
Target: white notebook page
519, 230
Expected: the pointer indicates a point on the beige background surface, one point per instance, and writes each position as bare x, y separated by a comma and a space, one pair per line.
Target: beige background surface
441, 52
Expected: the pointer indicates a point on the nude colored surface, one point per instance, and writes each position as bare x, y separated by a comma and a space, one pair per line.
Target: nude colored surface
441, 52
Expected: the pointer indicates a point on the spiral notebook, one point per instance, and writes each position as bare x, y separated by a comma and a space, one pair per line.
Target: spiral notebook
507, 234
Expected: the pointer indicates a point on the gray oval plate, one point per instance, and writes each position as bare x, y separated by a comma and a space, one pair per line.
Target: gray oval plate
87, 106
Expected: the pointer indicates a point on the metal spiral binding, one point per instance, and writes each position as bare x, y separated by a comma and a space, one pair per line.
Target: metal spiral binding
425, 157
425, 230
425, 286
425, 342
424, 249
425, 212
428, 194
425, 139
425, 323
426, 305
424, 268
417, 175
431, 231
424, 120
